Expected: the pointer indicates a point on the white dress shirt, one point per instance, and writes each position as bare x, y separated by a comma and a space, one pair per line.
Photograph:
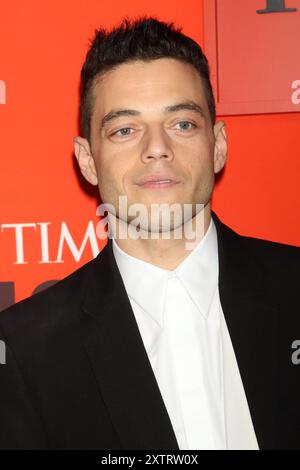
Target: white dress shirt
185, 335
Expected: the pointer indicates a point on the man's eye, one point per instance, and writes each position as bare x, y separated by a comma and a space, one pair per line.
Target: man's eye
123, 129
186, 122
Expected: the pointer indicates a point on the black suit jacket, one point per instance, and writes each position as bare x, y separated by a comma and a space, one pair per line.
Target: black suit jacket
77, 375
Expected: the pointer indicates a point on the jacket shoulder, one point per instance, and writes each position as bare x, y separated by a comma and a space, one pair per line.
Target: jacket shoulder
272, 252
44, 311
266, 250
277, 266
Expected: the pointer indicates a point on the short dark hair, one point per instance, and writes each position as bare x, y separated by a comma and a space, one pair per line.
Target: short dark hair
146, 39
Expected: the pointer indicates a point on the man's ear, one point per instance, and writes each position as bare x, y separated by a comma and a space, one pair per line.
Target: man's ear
85, 160
220, 151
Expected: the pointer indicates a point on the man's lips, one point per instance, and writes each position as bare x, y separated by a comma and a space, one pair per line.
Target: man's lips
158, 184
158, 181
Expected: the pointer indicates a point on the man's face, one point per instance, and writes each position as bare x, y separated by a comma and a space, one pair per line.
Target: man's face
149, 140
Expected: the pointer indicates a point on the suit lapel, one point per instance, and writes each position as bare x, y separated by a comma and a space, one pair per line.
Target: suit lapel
120, 362
253, 327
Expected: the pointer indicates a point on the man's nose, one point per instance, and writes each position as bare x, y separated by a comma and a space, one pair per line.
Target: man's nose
157, 145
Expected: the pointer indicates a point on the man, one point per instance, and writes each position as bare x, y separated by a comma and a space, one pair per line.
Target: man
154, 344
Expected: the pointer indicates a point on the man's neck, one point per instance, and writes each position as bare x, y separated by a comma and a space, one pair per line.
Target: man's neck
168, 253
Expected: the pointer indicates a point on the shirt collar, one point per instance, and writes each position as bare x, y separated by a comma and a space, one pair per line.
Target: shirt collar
146, 283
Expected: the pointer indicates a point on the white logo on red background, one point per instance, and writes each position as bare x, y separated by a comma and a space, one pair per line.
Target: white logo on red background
2, 92
296, 94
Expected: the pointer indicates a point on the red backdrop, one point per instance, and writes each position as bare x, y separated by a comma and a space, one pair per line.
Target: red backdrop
43, 45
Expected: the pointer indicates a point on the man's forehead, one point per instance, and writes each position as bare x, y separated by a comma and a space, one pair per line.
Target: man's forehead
109, 98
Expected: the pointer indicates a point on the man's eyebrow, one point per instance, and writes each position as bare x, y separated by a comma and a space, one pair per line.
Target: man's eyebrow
189, 105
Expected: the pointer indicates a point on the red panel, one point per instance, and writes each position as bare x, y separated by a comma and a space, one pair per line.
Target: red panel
254, 57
